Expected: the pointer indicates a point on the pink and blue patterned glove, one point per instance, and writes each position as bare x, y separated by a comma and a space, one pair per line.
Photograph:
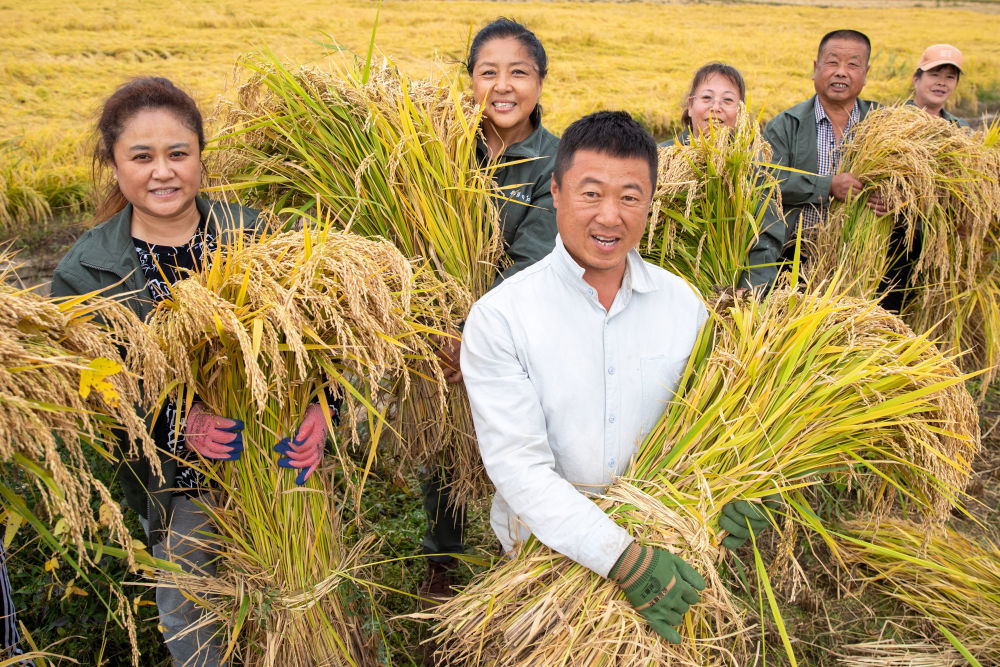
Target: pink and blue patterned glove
305, 450
212, 436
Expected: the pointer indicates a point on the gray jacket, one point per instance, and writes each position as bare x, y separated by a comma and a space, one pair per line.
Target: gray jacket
792, 135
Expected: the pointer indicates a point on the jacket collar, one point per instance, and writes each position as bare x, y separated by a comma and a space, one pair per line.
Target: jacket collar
853, 117
531, 147
114, 251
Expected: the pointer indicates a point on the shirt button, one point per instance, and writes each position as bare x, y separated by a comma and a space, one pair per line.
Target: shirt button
611, 419
611, 371
611, 463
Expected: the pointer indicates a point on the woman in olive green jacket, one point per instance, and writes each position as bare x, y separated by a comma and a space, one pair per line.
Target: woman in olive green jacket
717, 90
155, 229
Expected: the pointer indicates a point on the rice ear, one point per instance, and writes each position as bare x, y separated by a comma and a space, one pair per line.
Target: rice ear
366, 149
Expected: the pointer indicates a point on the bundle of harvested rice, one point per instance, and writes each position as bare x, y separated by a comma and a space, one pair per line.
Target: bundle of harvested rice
943, 185
65, 395
951, 580
64, 392
776, 397
268, 329
711, 199
389, 158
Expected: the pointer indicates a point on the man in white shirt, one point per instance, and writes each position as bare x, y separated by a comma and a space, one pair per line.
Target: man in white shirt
571, 362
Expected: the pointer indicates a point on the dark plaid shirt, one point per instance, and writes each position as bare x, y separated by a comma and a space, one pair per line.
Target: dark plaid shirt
828, 154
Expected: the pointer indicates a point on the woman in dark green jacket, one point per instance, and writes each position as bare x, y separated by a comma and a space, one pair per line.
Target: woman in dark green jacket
508, 65
155, 228
716, 93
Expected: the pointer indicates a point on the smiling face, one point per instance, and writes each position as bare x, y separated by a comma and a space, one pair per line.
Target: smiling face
839, 72
716, 100
506, 77
157, 162
931, 89
601, 210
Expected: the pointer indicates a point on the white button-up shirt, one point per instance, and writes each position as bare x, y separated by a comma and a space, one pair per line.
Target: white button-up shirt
563, 392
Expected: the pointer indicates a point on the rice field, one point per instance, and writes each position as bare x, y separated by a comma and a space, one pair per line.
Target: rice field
84, 51
61, 59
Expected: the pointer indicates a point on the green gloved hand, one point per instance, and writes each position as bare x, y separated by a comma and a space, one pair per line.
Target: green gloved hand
736, 514
660, 585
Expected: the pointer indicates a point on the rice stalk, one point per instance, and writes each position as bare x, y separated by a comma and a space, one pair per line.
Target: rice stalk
855, 242
947, 578
778, 396
710, 201
42, 176
387, 158
267, 329
64, 392
890, 653
943, 186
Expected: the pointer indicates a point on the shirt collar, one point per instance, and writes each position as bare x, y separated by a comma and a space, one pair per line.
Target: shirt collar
821, 112
636, 279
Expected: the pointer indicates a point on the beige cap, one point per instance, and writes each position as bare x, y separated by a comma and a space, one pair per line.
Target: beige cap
940, 54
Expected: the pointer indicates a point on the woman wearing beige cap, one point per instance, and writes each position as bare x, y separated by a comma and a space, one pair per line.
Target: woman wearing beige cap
936, 79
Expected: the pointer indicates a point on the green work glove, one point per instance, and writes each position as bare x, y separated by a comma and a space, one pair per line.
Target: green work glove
737, 514
660, 585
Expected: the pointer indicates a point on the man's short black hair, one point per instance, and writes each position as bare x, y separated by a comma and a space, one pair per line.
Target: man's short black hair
614, 133
852, 35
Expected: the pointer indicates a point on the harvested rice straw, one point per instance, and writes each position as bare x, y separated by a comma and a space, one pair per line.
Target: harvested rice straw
776, 396
710, 201
394, 159
951, 580
945, 182
267, 329
890, 653
855, 242
64, 391
927, 170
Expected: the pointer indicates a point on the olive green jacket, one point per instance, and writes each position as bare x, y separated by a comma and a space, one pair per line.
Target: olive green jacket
104, 259
959, 122
765, 253
792, 135
527, 217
